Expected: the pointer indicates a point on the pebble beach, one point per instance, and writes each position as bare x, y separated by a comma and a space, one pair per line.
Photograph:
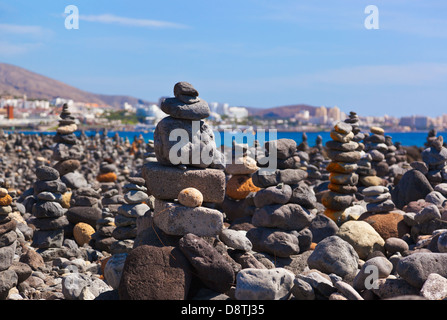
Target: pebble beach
103, 218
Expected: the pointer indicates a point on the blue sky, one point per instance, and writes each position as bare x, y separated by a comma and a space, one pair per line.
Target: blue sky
258, 53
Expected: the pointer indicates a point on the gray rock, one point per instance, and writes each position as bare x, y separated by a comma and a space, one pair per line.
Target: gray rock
334, 255
411, 187
391, 288
442, 242
430, 212
7, 256
235, 239
135, 197
434, 288
114, 268
264, 284
393, 245
8, 280
273, 241
379, 267
287, 176
165, 182
436, 198
284, 148
279, 194
133, 210
181, 110
322, 227
302, 290
74, 180
185, 88
48, 209
290, 216
416, 267
46, 173
192, 144
319, 282
303, 195
175, 219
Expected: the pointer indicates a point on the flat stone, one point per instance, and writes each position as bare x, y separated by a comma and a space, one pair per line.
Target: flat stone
435, 287
264, 284
46, 173
135, 197
185, 88
181, 110
165, 182
175, 219
133, 210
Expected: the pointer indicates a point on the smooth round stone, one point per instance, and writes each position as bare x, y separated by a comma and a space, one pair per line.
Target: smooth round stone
379, 198
343, 127
235, 239
341, 167
133, 186
137, 180
67, 129
340, 178
273, 195
3, 192
134, 196
5, 210
180, 110
45, 173
185, 88
133, 210
47, 209
241, 165
377, 130
49, 196
342, 146
190, 197
340, 156
374, 190
336, 201
340, 137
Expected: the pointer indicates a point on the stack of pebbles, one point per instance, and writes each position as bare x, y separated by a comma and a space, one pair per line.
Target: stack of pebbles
170, 176
68, 152
375, 145
316, 169
135, 206
343, 177
353, 120
48, 215
435, 157
8, 244
378, 199
279, 220
84, 212
240, 188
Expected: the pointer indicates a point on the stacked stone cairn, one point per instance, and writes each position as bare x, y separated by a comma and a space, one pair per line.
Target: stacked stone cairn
239, 188
378, 199
317, 163
49, 216
282, 217
342, 150
435, 158
135, 206
68, 152
375, 145
169, 178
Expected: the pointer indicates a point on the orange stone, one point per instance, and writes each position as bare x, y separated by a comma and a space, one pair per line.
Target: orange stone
240, 186
5, 200
107, 177
387, 224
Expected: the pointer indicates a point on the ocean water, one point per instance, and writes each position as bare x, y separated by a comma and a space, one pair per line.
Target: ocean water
405, 138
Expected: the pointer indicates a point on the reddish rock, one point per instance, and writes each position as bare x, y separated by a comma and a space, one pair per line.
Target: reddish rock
387, 224
155, 273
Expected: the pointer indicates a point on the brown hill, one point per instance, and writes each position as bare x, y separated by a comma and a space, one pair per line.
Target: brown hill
281, 112
17, 81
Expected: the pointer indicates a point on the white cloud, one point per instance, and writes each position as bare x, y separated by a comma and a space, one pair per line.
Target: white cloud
14, 29
132, 22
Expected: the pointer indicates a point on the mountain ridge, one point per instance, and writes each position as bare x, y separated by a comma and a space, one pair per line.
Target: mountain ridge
17, 81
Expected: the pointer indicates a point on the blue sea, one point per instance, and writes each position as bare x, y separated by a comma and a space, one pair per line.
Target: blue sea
405, 138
